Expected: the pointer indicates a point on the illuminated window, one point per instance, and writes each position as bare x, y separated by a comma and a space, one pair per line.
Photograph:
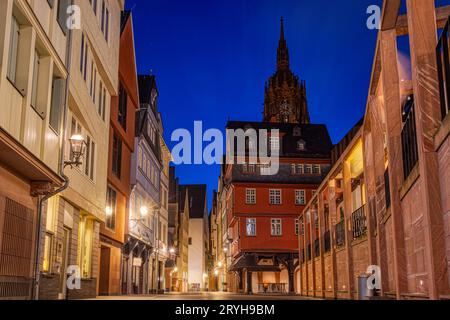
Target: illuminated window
85, 244
251, 227
50, 226
47, 253
111, 208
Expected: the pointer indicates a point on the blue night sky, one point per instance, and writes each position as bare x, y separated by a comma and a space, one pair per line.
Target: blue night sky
212, 58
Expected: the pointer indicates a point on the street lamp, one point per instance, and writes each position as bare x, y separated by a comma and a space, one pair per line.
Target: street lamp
144, 211
216, 272
77, 149
219, 264
172, 250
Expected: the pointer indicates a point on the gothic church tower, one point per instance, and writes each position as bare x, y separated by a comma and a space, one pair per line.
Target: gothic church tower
285, 95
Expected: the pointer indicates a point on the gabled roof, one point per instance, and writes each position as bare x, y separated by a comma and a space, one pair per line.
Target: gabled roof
147, 83
197, 200
124, 19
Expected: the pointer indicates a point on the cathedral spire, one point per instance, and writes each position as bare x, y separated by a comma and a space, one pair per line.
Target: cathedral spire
282, 53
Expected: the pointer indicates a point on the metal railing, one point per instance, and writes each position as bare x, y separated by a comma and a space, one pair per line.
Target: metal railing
359, 223
443, 63
409, 138
326, 241
340, 233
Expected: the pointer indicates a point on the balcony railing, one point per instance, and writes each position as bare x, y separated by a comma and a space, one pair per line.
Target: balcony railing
359, 223
443, 63
409, 138
316, 248
340, 233
326, 241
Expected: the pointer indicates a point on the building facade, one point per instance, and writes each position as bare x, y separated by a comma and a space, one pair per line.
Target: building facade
71, 240
138, 269
260, 208
198, 241
121, 147
401, 227
179, 233
34, 67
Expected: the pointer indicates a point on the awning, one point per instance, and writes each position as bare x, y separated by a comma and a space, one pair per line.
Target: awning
17, 158
250, 263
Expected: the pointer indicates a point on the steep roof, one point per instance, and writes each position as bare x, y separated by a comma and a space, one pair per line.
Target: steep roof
197, 200
315, 137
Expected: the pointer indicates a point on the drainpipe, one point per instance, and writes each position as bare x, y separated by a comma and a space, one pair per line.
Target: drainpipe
37, 271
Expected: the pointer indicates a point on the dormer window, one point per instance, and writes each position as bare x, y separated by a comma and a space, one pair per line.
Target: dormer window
297, 132
301, 145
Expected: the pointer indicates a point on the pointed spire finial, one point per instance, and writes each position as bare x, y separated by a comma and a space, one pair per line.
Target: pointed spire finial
282, 29
282, 52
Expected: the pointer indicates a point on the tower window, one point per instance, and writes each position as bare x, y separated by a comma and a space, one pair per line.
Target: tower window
301, 145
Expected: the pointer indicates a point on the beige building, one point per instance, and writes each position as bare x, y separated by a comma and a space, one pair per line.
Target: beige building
73, 217
33, 73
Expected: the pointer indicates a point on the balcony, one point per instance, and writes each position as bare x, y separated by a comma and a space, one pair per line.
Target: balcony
443, 63
359, 223
339, 230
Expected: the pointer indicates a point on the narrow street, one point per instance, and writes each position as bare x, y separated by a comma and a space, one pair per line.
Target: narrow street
204, 296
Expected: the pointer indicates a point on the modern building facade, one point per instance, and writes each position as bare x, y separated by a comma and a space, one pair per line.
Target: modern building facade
121, 148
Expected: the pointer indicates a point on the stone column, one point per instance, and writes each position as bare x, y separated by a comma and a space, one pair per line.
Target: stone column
321, 216
423, 40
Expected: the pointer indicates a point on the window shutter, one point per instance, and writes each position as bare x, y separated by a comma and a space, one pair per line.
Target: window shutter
57, 103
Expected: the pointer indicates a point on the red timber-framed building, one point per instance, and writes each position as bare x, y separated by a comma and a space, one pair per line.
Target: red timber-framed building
262, 210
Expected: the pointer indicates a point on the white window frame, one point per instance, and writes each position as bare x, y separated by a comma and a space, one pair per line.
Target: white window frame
276, 227
275, 197
250, 196
316, 169
300, 197
250, 227
274, 143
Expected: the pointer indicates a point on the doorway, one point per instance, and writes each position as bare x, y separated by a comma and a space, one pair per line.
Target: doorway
105, 259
